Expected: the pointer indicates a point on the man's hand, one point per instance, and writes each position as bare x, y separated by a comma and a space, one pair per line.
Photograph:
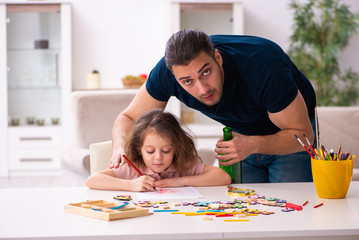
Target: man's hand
116, 157
292, 120
235, 150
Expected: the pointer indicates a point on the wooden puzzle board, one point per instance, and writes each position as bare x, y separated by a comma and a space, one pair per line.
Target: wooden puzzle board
101, 209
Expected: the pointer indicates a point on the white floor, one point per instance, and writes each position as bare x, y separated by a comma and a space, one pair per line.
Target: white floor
64, 179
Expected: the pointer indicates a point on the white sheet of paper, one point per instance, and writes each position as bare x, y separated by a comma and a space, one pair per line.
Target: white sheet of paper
170, 193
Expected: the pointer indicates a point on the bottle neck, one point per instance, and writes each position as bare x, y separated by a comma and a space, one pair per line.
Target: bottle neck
227, 133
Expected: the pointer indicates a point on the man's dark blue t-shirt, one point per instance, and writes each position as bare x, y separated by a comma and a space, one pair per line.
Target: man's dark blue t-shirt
258, 78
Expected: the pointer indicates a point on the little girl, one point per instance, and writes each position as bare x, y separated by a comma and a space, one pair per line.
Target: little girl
166, 156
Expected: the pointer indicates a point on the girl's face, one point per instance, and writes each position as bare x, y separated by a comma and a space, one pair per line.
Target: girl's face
157, 152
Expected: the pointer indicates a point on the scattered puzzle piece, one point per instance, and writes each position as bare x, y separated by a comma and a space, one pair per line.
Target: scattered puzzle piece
123, 197
237, 205
287, 210
229, 210
164, 207
245, 198
201, 204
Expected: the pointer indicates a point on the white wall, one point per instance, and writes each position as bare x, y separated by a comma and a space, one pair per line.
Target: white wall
120, 37
117, 38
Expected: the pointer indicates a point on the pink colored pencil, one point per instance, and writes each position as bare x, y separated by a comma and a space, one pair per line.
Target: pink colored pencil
131, 164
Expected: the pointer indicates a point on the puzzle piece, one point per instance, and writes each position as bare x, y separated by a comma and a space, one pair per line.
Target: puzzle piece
123, 197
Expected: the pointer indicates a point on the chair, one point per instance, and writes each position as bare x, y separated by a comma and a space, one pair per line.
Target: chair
92, 116
100, 155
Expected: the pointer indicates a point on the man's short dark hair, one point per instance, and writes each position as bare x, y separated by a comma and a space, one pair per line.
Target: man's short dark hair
185, 45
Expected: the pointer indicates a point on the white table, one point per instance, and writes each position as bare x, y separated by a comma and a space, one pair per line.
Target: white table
35, 213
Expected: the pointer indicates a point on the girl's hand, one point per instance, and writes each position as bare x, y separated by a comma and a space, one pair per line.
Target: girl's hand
169, 182
143, 184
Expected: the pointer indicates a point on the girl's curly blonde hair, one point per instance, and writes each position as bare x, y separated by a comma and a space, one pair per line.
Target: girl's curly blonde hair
166, 125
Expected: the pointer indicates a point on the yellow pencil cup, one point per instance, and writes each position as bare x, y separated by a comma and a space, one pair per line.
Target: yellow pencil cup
332, 178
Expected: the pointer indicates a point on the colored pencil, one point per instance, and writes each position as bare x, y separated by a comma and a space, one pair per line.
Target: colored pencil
123, 155
331, 154
339, 151
323, 153
347, 155
132, 164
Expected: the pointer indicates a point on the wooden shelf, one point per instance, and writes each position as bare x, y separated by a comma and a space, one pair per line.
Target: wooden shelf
33, 7
206, 6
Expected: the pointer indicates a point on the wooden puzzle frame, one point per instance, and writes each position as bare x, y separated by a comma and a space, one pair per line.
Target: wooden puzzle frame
101, 209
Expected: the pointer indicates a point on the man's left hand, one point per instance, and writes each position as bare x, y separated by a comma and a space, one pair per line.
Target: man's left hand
235, 150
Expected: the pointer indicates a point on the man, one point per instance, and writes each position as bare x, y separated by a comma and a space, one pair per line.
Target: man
247, 83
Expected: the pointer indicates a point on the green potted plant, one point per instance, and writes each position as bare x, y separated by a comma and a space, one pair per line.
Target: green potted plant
321, 29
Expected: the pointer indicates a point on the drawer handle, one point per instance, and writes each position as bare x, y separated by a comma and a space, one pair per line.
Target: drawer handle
35, 159
35, 138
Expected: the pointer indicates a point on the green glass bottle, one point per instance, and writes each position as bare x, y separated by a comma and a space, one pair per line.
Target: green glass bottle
227, 136
233, 170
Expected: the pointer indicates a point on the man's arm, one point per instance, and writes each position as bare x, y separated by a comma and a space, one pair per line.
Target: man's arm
291, 120
141, 103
